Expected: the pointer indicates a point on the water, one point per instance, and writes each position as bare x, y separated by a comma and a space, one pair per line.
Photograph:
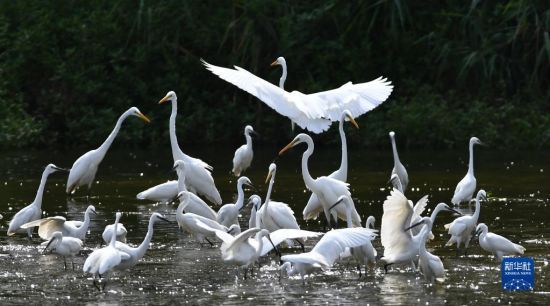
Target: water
176, 269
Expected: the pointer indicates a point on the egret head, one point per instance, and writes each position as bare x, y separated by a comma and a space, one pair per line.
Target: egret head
342, 199
475, 140
91, 209
271, 172
481, 228
234, 229
443, 206
178, 165
55, 239
346, 115
370, 222
134, 111
481, 195
425, 220
158, 217
279, 61
243, 180
297, 140
51, 168
170, 96
392, 134
255, 201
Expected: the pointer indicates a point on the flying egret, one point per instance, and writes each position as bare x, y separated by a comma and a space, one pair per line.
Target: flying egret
326, 251
137, 253
461, 229
366, 253
64, 246
120, 233
229, 213
50, 225
467, 186
326, 188
256, 203
313, 112
194, 204
199, 179
102, 260
398, 167
85, 167
189, 223
496, 244
430, 265
314, 207
276, 215
244, 154
32, 211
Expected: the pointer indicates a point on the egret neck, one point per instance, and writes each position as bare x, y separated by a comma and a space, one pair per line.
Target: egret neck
40, 192
471, 163
343, 170
177, 153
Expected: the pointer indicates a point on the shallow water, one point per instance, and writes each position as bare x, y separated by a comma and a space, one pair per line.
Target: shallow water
179, 270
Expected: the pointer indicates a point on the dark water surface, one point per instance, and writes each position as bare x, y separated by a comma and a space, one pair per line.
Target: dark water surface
176, 269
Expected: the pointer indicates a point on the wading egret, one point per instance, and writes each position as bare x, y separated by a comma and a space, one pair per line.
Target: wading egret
120, 233
50, 225
199, 179
193, 224
314, 207
313, 112
496, 244
285, 234
32, 211
137, 253
163, 193
326, 251
467, 186
244, 154
461, 229
85, 167
327, 189
398, 167
430, 265
256, 203
64, 246
229, 213
194, 204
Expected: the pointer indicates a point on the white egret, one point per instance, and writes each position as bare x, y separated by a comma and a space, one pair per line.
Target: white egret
327, 189
256, 203
314, 207
467, 186
102, 260
430, 265
496, 244
244, 154
199, 179
398, 167
160, 193
85, 167
50, 225
137, 253
313, 112
285, 234
64, 246
325, 253
32, 211
189, 222
194, 204
120, 233
282, 62
461, 229
440, 207
229, 213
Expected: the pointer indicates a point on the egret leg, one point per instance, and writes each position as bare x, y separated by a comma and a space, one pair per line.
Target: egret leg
359, 269
65, 263
386, 267
72, 263
301, 245
29, 233
211, 244
245, 273
96, 285
413, 266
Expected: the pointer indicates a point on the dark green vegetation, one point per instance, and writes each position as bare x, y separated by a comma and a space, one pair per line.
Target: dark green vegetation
68, 69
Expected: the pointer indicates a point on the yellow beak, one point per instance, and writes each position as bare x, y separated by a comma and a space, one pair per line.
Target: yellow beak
353, 121
275, 63
163, 100
288, 146
268, 177
142, 116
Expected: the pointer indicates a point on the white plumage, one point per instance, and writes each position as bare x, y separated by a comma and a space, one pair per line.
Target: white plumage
160, 193
228, 214
430, 265
64, 246
467, 186
496, 244
461, 229
50, 225
120, 233
398, 167
244, 154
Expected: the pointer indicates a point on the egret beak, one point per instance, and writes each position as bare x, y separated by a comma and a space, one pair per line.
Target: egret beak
176, 198
275, 63
288, 146
484, 197
454, 211
353, 121
335, 204
95, 213
174, 168
46, 248
164, 100
477, 233
255, 133
164, 219
268, 176
230, 230
61, 169
143, 117
414, 225
274, 247
482, 144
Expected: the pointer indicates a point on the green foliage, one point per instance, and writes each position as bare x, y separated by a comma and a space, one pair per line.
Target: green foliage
69, 69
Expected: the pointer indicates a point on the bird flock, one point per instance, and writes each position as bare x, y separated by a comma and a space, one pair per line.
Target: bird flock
404, 229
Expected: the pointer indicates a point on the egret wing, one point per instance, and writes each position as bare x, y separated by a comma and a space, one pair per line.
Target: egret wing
336, 241
281, 235
396, 217
241, 238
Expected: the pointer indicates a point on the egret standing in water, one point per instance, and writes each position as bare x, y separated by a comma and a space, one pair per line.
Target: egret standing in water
76, 229
244, 154
398, 167
430, 265
461, 229
496, 244
314, 207
314, 112
110, 229
256, 203
467, 186
229, 213
199, 179
64, 246
194, 204
32, 211
85, 167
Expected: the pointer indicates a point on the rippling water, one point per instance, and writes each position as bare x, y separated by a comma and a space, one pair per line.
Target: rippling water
176, 269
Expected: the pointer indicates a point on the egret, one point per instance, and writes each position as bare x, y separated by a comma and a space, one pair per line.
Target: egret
496, 244
160, 193
326, 188
189, 222
50, 225
64, 246
199, 179
398, 167
102, 260
120, 233
85, 167
282, 62
32, 211
256, 203
461, 229
194, 204
467, 186
439, 208
314, 207
430, 265
137, 253
326, 251
244, 154
313, 112
229, 213
366, 253
276, 215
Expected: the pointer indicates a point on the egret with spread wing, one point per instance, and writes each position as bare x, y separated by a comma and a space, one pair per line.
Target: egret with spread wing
76, 229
